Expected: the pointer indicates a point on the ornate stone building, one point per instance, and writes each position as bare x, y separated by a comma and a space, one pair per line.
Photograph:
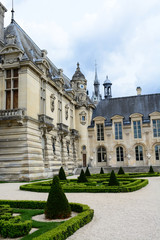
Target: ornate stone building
48, 120
43, 115
125, 131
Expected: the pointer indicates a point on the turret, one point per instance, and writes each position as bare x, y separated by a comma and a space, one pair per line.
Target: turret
107, 88
2, 12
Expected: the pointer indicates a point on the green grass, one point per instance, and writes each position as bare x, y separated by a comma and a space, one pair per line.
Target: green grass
27, 214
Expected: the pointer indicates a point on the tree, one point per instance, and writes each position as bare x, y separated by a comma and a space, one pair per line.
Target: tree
82, 177
121, 171
113, 180
151, 169
62, 175
87, 172
57, 206
101, 171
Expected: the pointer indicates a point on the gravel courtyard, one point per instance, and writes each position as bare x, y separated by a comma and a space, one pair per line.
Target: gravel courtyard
118, 216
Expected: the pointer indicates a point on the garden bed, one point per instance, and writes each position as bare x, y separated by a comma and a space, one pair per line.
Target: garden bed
52, 230
96, 183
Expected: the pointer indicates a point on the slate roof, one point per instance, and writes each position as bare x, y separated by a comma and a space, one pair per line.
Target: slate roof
125, 106
31, 51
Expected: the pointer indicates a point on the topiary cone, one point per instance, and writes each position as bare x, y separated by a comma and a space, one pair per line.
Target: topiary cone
57, 204
151, 169
82, 177
121, 171
62, 175
113, 180
87, 172
101, 171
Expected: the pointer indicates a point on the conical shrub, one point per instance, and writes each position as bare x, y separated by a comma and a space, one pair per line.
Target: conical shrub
82, 177
121, 171
113, 180
87, 172
101, 171
62, 175
151, 169
57, 206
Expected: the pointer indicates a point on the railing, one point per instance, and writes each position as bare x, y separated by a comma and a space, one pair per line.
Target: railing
62, 127
45, 119
12, 113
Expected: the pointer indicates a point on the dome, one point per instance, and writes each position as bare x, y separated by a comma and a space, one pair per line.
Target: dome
78, 74
107, 81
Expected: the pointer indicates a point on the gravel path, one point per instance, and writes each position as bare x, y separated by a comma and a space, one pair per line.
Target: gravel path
118, 216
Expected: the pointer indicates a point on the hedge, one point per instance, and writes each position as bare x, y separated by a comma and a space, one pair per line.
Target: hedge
65, 229
128, 186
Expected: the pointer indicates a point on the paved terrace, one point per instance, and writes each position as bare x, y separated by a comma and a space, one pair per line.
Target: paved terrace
118, 216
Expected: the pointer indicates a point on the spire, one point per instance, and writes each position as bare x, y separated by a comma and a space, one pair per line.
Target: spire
12, 11
96, 76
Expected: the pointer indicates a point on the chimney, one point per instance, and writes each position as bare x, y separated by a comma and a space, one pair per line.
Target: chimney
2, 12
139, 90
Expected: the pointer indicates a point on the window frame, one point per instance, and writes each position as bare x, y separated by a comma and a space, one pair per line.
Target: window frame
119, 154
101, 154
156, 127
11, 88
137, 129
157, 152
118, 130
139, 153
100, 131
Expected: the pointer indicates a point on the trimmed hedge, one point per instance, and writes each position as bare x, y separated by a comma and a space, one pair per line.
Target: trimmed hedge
12, 226
65, 229
93, 185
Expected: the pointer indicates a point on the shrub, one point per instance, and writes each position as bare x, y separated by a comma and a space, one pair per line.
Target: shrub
87, 172
101, 171
113, 180
62, 175
82, 177
121, 171
151, 169
57, 204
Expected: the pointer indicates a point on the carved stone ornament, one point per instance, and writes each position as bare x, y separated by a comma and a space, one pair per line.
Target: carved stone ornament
83, 117
66, 111
52, 102
11, 39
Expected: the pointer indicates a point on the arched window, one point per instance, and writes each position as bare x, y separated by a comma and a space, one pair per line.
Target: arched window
157, 152
119, 153
139, 153
101, 154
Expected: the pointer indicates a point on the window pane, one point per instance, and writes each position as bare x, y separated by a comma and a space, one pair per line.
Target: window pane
15, 72
8, 84
8, 73
15, 83
8, 99
15, 99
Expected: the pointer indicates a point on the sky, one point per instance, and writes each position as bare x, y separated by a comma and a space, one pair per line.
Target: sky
121, 36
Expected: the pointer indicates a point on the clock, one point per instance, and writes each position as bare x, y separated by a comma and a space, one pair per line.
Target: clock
81, 86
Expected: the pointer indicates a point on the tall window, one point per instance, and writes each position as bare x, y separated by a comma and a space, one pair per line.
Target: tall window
12, 88
100, 132
156, 128
119, 153
137, 129
118, 130
139, 153
43, 96
71, 118
101, 154
157, 152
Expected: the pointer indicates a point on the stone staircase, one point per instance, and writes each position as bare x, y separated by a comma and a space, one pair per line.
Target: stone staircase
138, 169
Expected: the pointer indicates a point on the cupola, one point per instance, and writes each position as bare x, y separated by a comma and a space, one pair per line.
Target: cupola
107, 88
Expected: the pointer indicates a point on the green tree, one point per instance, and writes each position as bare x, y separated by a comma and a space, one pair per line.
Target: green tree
151, 169
62, 175
57, 206
87, 172
113, 180
101, 171
82, 177
121, 171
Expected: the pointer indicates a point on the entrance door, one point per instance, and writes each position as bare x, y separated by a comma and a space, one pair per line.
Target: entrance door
84, 160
